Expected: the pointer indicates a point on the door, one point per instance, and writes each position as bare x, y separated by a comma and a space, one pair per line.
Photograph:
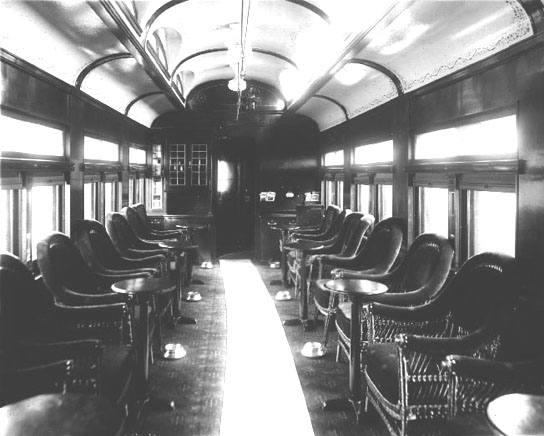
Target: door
234, 196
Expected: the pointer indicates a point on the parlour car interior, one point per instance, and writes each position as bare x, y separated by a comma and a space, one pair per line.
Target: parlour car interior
298, 217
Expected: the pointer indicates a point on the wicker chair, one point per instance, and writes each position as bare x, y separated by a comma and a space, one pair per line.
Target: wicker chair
375, 256
419, 277
517, 367
49, 347
403, 379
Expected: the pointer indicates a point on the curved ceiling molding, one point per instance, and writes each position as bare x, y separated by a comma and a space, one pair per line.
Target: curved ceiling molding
323, 111
535, 11
220, 49
101, 61
161, 10
382, 69
140, 97
332, 100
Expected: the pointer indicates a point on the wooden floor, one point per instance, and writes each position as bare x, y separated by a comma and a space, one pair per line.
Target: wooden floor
261, 394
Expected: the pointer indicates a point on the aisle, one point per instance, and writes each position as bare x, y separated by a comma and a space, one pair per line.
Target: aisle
262, 393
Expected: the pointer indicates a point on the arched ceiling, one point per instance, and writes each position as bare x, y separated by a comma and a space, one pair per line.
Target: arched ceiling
328, 60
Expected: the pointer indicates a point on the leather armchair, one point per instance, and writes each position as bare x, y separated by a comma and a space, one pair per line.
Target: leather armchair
94, 342
404, 380
69, 278
95, 245
375, 256
330, 214
326, 237
101, 254
141, 212
418, 279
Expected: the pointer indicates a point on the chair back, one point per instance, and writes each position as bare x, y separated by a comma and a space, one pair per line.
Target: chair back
21, 302
481, 291
330, 214
382, 247
95, 245
135, 222
350, 235
336, 225
63, 268
121, 234
356, 235
425, 267
141, 213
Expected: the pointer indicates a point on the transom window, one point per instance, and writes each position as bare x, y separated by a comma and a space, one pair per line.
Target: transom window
136, 156
100, 149
30, 138
373, 153
333, 158
491, 137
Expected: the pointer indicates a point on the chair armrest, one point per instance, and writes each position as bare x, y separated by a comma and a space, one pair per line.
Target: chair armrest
143, 262
369, 274
72, 298
526, 372
27, 382
111, 323
129, 272
142, 252
443, 346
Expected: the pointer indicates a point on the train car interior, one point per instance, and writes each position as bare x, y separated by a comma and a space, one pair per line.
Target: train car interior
272, 217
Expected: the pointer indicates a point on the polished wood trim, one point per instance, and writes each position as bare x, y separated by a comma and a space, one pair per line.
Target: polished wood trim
27, 163
220, 49
110, 16
332, 100
96, 63
460, 166
535, 11
382, 69
140, 97
96, 166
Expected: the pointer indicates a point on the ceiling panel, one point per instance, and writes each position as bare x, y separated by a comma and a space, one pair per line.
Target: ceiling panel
58, 37
147, 109
360, 88
434, 38
103, 83
325, 113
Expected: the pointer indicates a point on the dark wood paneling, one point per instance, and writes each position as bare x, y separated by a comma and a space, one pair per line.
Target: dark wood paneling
30, 95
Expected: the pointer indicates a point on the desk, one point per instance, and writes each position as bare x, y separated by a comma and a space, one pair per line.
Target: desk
61, 414
142, 290
359, 291
301, 248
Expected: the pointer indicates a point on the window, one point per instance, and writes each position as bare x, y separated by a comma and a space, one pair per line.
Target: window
373, 153
328, 192
199, 164
30, 138
361, 201
385, 201
45, 208
474, 203
333, 158
7, 204
177, 164
339, 193
491, 222
90, 200
491, 137
99, 149
136, 156
224, 176
433, 210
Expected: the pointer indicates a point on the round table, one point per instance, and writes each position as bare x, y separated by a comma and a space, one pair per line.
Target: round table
358, 291
61, 414
284, 229
142, 289
302, 247
517, 414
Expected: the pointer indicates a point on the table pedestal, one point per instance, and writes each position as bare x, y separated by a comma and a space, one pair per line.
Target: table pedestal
302, 291
358, 291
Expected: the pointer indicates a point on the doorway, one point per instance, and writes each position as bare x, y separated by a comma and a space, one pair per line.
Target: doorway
234, 197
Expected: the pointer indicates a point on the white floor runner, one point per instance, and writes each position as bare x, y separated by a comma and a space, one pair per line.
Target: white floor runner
262, 394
